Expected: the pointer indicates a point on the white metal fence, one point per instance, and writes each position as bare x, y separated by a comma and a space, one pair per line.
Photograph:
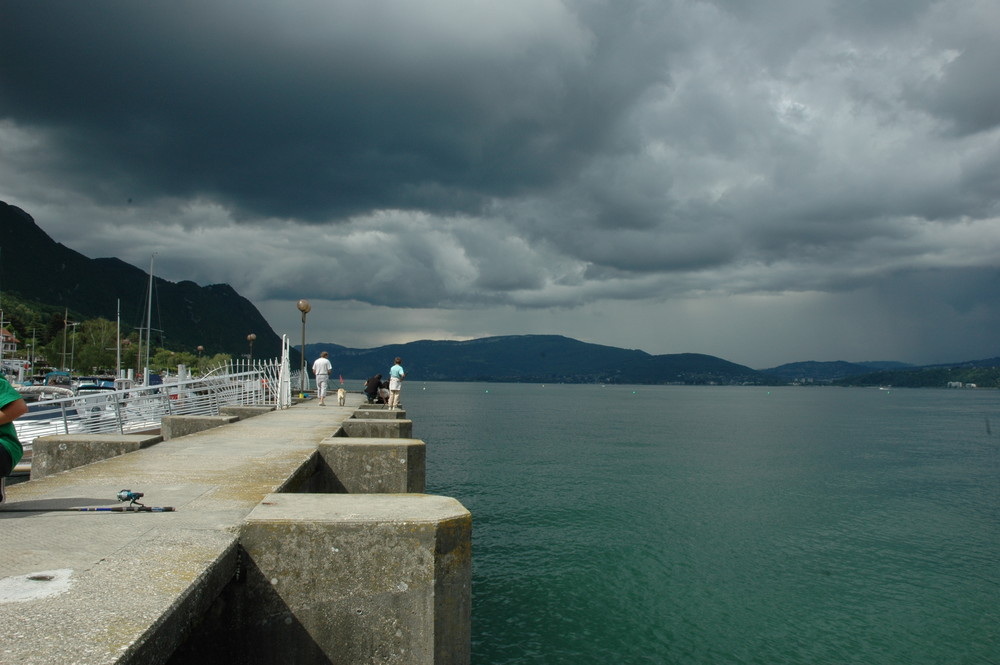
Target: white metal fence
138, 408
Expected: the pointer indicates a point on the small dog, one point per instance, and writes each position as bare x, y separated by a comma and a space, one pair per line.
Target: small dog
341, 396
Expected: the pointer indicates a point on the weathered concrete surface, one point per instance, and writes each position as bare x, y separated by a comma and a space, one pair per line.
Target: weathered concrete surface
348, 579
59, 452
244, 411
370, 411
172, 427
110, 585
131, 605
378, 428
373, 466
98, 588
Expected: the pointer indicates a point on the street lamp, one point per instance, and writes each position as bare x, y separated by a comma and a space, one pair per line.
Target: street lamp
305, 308
250, 338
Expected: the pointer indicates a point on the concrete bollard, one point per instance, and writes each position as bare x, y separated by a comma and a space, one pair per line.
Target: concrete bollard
372, 412
378, 428
373, 466
172, 427
347, 579
60, 452
244, 411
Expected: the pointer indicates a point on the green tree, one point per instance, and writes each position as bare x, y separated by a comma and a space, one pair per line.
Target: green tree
165, 359
29, 322
219, 359
53, 352
96, 346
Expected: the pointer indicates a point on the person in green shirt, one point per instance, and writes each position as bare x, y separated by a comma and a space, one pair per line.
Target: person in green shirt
12, 407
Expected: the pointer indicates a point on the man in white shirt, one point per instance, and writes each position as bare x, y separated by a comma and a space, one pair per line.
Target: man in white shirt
322, 369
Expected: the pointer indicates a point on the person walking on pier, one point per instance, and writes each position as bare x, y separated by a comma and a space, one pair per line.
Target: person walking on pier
396, 376
12, 407
322, 369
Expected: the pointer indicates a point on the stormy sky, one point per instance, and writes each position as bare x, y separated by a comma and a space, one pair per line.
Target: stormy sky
766, 181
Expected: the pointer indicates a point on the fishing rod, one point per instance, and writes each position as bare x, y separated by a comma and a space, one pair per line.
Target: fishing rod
125, 495
107, 509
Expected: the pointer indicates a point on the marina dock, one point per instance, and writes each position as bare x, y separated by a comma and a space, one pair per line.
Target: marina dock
299, 535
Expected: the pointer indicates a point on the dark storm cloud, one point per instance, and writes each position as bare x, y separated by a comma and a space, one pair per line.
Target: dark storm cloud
339, 109
964, 96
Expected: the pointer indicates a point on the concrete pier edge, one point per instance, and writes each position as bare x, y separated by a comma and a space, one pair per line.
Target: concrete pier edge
396, 571
96, 588
61, 452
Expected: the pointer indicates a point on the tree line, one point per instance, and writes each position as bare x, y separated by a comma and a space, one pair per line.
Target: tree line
928, 377
53, 339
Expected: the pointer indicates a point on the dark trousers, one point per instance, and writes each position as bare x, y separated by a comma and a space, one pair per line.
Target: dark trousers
6, 463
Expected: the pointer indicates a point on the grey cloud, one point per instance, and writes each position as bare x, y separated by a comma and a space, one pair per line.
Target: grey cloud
967, 95
339, 116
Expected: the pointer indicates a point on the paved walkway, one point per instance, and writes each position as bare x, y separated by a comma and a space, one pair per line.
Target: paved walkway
87, 587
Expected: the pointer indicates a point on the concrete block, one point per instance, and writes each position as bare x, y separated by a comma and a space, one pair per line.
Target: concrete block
172, 427
343, 578
378, 411
134, 606
60, 452
373, 466
242, 412
378, 428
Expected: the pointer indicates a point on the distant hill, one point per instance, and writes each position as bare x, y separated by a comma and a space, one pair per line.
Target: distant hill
980, 373
970, 364
537, 359
826, 372
37, 268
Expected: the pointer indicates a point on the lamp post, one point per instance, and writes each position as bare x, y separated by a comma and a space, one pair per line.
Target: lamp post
304, 307
250, 338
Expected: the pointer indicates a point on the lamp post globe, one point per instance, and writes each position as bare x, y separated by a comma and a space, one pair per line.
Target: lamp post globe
250, 339
304, 307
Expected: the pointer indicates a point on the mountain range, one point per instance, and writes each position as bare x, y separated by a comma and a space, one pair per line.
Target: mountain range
216, 317
39, 269
538, 359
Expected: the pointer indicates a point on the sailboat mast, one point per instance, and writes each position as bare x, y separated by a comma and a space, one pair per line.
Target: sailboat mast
118, 341
149, 321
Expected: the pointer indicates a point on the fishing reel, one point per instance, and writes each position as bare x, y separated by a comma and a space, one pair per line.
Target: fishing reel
131, 497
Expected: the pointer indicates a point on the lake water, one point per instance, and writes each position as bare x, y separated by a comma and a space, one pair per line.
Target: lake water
676, 524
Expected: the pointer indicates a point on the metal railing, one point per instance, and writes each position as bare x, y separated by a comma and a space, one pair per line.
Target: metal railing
140, 408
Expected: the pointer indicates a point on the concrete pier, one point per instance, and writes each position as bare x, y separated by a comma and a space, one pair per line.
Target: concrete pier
172, 427
259, 544
61, 452
391, 567
371, 465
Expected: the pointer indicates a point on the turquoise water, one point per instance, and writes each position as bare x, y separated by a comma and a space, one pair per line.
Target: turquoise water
723, 525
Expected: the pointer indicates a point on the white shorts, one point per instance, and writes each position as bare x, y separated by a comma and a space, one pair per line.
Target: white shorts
395, 383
